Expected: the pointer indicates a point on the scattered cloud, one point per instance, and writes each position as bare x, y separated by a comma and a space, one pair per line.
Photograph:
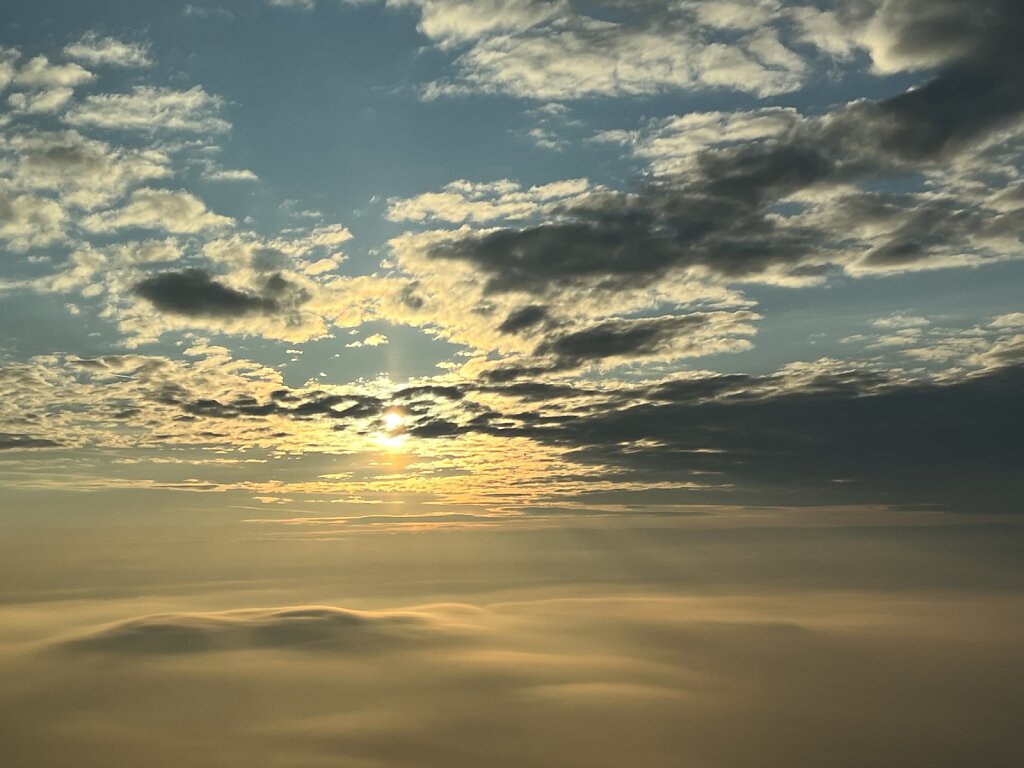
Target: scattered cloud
40, 102
28, 221
465, 201
543, 286
715, 208
373, 340
231, 174
557, 50
39, 72
151, 108
85, 172
97, 51
169, 210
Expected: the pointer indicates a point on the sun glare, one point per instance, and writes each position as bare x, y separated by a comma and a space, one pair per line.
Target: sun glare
393, 421
393, 436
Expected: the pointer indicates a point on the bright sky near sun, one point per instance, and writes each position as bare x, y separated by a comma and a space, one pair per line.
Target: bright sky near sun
472, 305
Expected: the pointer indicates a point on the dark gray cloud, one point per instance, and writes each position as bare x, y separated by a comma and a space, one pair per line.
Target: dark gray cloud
524, 319
429, 391
835, 438
304, 405
541, 390
615, 241
845, 439
721, 216
627, 338
10, 442
195, 293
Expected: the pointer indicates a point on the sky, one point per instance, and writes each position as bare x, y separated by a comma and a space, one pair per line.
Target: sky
511, 382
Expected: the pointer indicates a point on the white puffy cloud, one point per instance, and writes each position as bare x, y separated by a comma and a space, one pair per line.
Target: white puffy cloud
373, 340
558, 50
39, 72
670, 145
281, 288
97, 50
1011, 320
89, 268
171, 210
597, 58
729, 14
826, 30
151, 108
86, 172
465, 201
455, 21
28, 221
40, 102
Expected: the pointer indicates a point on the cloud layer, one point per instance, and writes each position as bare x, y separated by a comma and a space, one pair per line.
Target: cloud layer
593, 681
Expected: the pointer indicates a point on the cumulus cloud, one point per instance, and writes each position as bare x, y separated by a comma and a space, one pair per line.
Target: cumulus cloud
1011, 320
40, 72
558, 50
86, 172
465, 201
27, 221
455, 21
195, 293
278, 288
621, 340
170, 210
151, 108
672, 146
714, 209
598, 59
40, 102
97, 50
373, 340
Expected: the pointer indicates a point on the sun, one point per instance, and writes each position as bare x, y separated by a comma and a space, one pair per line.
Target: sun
393, 436
393, 421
